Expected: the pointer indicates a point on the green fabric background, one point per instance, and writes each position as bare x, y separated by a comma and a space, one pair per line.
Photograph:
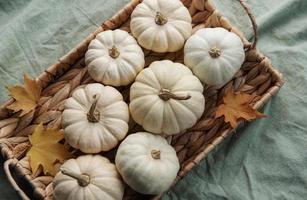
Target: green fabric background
265, 160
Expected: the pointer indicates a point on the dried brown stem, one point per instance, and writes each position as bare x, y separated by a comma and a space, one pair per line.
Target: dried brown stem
93, 114
83, 179
160, 19
113, 52
215, 52
155, 154
166, 94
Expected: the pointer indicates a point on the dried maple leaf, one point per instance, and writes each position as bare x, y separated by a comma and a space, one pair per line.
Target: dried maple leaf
46, 149
26, 97
237, 106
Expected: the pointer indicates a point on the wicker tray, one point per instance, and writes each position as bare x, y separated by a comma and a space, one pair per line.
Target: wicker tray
256, 76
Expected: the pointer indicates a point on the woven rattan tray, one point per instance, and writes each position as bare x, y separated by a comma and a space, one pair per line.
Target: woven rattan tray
256, 76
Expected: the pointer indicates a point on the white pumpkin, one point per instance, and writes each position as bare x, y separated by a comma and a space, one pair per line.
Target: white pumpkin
95, 118
166, 98
161, 25
114, 58
88, 178
147, 163
214, 55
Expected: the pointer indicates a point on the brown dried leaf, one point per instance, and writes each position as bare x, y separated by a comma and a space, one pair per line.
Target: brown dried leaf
46, 149
26, 97
237, 106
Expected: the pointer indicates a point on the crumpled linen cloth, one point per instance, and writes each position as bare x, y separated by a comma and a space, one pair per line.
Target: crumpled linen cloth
265, 160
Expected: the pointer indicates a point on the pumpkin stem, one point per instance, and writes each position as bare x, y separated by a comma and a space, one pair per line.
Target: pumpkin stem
83, 179
215, 52
93, 115
160, 19
113, 52
165, 95
155, 154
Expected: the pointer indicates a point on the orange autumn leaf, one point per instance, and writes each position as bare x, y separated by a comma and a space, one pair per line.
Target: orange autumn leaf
237, 106
26, 96
46, 150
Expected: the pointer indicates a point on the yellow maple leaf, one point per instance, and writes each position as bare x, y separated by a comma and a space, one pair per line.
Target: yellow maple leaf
26, 97
46, 149
236, 106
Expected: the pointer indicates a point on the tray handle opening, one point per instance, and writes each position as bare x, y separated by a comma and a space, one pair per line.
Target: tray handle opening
11, 174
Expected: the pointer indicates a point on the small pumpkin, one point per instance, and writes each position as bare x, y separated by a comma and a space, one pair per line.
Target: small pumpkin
214, 55
95, 118
161, 25
166, 98
88, 178
114, 58
147, 163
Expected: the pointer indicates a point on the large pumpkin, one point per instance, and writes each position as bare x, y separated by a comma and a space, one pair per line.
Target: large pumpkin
166, 98
114, 58
147, 163
161, 25
214, 55
88, 178
95, 118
